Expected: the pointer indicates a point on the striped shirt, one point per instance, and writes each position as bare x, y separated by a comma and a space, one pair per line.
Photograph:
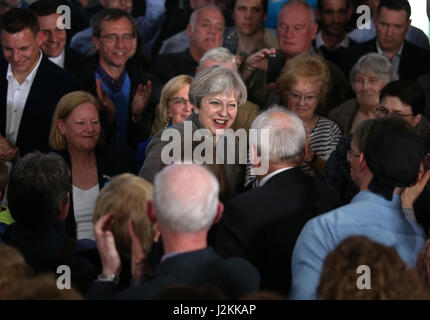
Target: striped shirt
324, 138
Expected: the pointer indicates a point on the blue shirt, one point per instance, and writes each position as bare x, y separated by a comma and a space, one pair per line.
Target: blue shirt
369, 215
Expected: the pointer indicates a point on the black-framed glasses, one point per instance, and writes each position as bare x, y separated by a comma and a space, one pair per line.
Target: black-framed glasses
114, 38
386, 112
351, 155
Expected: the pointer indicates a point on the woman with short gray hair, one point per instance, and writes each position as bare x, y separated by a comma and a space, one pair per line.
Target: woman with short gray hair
216, 93
368, 76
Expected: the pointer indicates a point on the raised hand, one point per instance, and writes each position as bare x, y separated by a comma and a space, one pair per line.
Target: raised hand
8, 151
105, 240
105, 101
141, 98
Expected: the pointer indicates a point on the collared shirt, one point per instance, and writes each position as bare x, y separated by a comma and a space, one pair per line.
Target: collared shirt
368, 214
414, 35
271, 175
319, 42
16, 98
59, 61
396, 60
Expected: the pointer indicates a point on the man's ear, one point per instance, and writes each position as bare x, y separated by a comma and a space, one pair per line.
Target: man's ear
416, 119
96, 42
409, 24
362, 162
255, 159
220, 210
188, 30
314, 30
317, 15
40, 37
150, 211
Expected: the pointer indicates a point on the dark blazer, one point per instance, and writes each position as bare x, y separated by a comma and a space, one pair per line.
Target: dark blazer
262, 225
111, 161
235, 277
50, 84
137, 132
169, 65
414, 61
72, 60
45, 247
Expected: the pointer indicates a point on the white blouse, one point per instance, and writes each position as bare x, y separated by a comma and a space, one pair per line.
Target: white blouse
84, 202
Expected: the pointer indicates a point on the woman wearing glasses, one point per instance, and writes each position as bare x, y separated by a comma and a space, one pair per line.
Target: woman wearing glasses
304, 84
174, 107
368, 76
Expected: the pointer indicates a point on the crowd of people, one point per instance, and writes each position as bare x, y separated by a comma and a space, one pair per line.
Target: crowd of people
180, 149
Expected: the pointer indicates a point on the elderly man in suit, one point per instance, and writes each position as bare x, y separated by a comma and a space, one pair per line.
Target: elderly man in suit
392, 22
262, 225
185, 204
30, 86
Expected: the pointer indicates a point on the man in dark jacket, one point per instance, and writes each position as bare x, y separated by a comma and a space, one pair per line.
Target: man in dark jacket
128, 94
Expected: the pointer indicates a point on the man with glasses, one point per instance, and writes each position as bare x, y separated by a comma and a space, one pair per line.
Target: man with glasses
385, 158
128, 94
149, 26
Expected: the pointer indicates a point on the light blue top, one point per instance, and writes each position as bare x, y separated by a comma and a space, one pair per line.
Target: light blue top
149, 28
414, 35
369, 215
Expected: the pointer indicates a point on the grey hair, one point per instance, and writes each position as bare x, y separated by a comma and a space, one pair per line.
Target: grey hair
378, 64
287, 139
303, 3
215, 80
218, 54
185, 198
193, 17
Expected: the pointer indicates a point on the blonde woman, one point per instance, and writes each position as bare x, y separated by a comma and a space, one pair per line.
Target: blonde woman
174, 108
76, 135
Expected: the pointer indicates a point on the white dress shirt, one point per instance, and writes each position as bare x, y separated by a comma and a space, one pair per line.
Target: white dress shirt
59, 61
396, 60
16, 98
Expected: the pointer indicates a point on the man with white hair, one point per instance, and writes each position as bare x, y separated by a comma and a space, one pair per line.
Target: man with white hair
185, 204
262, 225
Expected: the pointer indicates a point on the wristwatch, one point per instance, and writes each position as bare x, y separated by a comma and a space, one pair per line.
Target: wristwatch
108, 278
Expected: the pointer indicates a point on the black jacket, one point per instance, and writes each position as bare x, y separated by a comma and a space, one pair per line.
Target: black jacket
262, 225
49, 85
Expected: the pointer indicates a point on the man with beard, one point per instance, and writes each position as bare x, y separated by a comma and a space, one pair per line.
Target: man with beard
332, 39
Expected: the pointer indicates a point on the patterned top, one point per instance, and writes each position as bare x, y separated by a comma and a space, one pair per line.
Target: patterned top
324, 138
